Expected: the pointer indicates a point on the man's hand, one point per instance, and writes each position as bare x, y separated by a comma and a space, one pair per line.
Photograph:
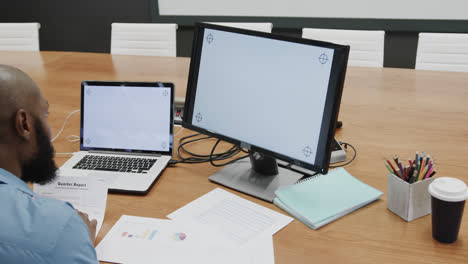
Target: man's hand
90, 224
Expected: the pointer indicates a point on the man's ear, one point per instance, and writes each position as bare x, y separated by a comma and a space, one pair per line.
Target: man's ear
23, 124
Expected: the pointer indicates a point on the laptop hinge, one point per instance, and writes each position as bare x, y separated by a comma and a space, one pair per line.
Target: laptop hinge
124, 153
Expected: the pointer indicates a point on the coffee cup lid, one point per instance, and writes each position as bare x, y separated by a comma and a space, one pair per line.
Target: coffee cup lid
448, 189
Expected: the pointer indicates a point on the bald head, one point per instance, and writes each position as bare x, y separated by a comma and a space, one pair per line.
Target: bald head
17, 91
25, 147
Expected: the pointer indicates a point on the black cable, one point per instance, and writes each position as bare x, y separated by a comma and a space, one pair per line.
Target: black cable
234, 150
196, 157
201, 158
226, 163
182, 144
181, 147
346, 148
190, 159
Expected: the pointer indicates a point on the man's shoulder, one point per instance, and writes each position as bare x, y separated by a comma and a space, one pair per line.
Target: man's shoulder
36, 210
34, 223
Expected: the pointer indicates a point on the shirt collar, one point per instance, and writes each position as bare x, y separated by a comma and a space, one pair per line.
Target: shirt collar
10, 179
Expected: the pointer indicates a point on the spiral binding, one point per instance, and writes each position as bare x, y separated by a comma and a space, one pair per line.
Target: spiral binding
303, 180
308, 178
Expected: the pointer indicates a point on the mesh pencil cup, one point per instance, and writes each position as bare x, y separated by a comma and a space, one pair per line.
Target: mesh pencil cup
409, 201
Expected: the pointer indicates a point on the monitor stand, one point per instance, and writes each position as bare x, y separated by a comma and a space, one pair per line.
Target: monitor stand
258, 175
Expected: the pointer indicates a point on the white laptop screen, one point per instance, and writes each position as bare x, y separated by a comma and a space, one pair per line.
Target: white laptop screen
131, 117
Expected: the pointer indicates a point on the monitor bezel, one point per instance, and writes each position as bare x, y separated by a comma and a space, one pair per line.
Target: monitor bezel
130, 84
332, 103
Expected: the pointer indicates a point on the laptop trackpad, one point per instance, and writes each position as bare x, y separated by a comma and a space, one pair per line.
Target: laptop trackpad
107, 177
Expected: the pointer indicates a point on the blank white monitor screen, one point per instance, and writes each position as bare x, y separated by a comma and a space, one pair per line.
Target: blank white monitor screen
264, 92
272, 94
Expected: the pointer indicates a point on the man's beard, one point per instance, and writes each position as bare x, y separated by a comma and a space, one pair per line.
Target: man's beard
41, 167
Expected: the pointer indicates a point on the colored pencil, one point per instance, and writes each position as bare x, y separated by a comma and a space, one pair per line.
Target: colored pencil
421, 168
397, 161
423, 165
394, 171
418, 167
429, 171
423, 175
389, 169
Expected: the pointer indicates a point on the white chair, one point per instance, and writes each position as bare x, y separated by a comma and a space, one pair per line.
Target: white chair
19, 36
442, 52
144, 39
263, 27
367, 46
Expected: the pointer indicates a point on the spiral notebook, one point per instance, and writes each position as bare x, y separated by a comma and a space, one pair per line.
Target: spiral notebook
321, 199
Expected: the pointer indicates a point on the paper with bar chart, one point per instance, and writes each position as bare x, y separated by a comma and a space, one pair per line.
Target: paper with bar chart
145, 240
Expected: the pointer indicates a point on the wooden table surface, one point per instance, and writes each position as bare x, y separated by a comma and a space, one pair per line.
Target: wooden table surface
384, 111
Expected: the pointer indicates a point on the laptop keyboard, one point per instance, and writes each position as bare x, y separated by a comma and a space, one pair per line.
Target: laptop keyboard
116, 164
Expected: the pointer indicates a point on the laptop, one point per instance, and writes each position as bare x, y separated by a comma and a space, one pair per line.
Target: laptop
126, 135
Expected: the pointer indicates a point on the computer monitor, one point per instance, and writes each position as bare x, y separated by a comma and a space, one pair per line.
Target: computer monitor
276, 96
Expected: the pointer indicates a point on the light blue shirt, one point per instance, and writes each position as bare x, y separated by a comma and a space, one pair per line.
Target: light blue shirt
39, 230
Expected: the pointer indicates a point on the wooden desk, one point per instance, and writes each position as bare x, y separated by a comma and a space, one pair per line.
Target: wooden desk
384, 111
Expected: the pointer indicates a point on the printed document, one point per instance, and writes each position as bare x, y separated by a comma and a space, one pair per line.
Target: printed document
147, 240
86, 194
238, 220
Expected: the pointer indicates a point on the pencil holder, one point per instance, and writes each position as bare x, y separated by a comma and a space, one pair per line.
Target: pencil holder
409, 201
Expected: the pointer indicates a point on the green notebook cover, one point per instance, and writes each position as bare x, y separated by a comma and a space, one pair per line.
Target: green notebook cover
320, 199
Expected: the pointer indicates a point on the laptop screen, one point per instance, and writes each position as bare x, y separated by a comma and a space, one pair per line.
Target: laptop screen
127, 116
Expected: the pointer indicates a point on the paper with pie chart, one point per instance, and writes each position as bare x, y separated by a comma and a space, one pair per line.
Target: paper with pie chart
138, 239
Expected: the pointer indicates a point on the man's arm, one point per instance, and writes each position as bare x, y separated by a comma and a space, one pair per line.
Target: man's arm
90, 224
74, 244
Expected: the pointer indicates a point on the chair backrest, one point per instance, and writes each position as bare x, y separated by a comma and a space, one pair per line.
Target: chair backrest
263, 27
19, 36
442, 52
144, 39
367, 46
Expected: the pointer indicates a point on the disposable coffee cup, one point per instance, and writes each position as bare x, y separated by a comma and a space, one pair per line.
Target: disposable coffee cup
448, 197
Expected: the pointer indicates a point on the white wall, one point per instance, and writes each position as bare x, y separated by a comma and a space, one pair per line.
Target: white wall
382, 9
